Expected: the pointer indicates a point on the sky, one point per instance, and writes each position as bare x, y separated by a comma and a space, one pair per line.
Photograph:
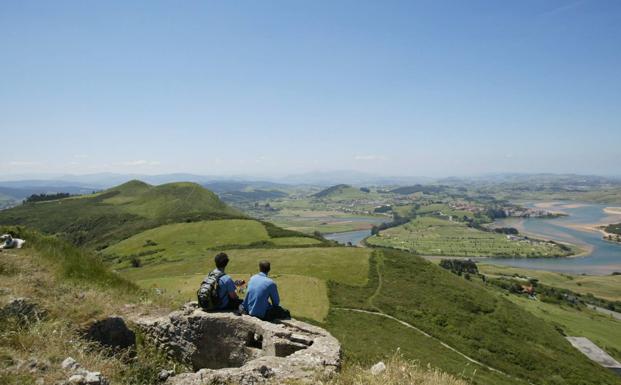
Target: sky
419, 88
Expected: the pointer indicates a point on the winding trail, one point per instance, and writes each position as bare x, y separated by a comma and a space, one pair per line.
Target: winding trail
380, 313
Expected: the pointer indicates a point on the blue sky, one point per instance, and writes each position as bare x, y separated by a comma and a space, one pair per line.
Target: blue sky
431, 88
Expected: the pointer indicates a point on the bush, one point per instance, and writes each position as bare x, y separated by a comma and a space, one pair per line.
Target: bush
136, 262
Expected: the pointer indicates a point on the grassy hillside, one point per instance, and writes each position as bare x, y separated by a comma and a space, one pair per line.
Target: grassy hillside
302, 274
341, 192
100, 219
465, 315
607, 287
180, 240
433, 236
58, 276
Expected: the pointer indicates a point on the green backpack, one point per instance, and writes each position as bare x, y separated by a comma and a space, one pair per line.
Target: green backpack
207, 294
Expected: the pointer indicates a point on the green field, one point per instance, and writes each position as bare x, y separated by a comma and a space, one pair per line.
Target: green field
607, 287
602, 329
323, 220
367, 338
105, 218
306, 297
300, 273
466, 315
181, 240
434, 236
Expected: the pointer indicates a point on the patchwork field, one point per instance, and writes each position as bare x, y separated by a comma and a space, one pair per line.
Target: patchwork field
433, 236
300, 273
607, 287
323, 220
181, 240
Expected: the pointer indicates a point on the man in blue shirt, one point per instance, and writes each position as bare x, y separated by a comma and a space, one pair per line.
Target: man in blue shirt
226, 286
262, 299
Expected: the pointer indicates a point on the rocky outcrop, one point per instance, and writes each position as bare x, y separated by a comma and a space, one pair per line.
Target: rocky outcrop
22, 309
225, 348
81, 376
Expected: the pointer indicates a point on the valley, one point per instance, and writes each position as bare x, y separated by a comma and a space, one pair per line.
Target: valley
350, 259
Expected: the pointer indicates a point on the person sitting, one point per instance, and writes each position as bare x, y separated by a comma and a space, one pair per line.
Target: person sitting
220, 296
261, 290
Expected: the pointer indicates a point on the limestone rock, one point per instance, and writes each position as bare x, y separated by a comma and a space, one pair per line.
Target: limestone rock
164, 374
69, 364
378, 368
81, 376
224, 348
111, 332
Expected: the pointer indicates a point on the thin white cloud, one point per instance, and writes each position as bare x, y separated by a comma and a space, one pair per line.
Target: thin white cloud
369, 157
563, 8
23, 163
138, 163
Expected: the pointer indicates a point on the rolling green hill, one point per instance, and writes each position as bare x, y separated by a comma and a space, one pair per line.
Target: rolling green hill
341, 192
105, 218
466, 315
203, 238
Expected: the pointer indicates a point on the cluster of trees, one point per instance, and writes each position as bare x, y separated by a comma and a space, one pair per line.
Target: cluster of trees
407, 190
46, 197
460, 266
397, 221
614, 229
383, 209
507, 230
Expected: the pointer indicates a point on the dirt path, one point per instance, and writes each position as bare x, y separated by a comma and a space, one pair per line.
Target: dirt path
379, 313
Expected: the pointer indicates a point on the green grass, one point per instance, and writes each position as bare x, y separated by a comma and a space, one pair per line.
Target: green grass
606, 287
603, 330
105, 218
71, 263
466, 315
343, 264
183, 240
433, 236
367, 339
306, 297
301, 274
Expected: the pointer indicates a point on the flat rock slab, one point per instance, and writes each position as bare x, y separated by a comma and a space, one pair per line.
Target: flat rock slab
593, 351
225, 348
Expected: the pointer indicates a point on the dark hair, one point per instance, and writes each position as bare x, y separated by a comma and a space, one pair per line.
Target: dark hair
221, 260
264, 266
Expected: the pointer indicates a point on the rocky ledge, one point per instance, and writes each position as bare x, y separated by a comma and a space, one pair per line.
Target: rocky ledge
225, 348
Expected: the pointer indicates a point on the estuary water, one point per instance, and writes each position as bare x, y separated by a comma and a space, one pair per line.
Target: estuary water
601, 258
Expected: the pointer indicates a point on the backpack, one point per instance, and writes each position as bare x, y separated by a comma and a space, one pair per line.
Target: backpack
207, 294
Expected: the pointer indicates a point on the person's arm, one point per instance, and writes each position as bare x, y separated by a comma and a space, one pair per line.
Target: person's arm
274, 295
231, 289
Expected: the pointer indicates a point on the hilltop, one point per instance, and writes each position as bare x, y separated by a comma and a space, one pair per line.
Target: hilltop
103, 218
341, 191
51, 276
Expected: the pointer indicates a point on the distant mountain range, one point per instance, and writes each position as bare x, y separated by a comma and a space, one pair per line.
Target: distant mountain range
21, 188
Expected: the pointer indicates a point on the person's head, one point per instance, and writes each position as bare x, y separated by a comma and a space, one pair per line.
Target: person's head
221, 260
264, 266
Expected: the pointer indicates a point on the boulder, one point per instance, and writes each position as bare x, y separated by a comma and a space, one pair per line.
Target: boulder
378, 368
111, 332
23, 309
225, 348
80, 376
